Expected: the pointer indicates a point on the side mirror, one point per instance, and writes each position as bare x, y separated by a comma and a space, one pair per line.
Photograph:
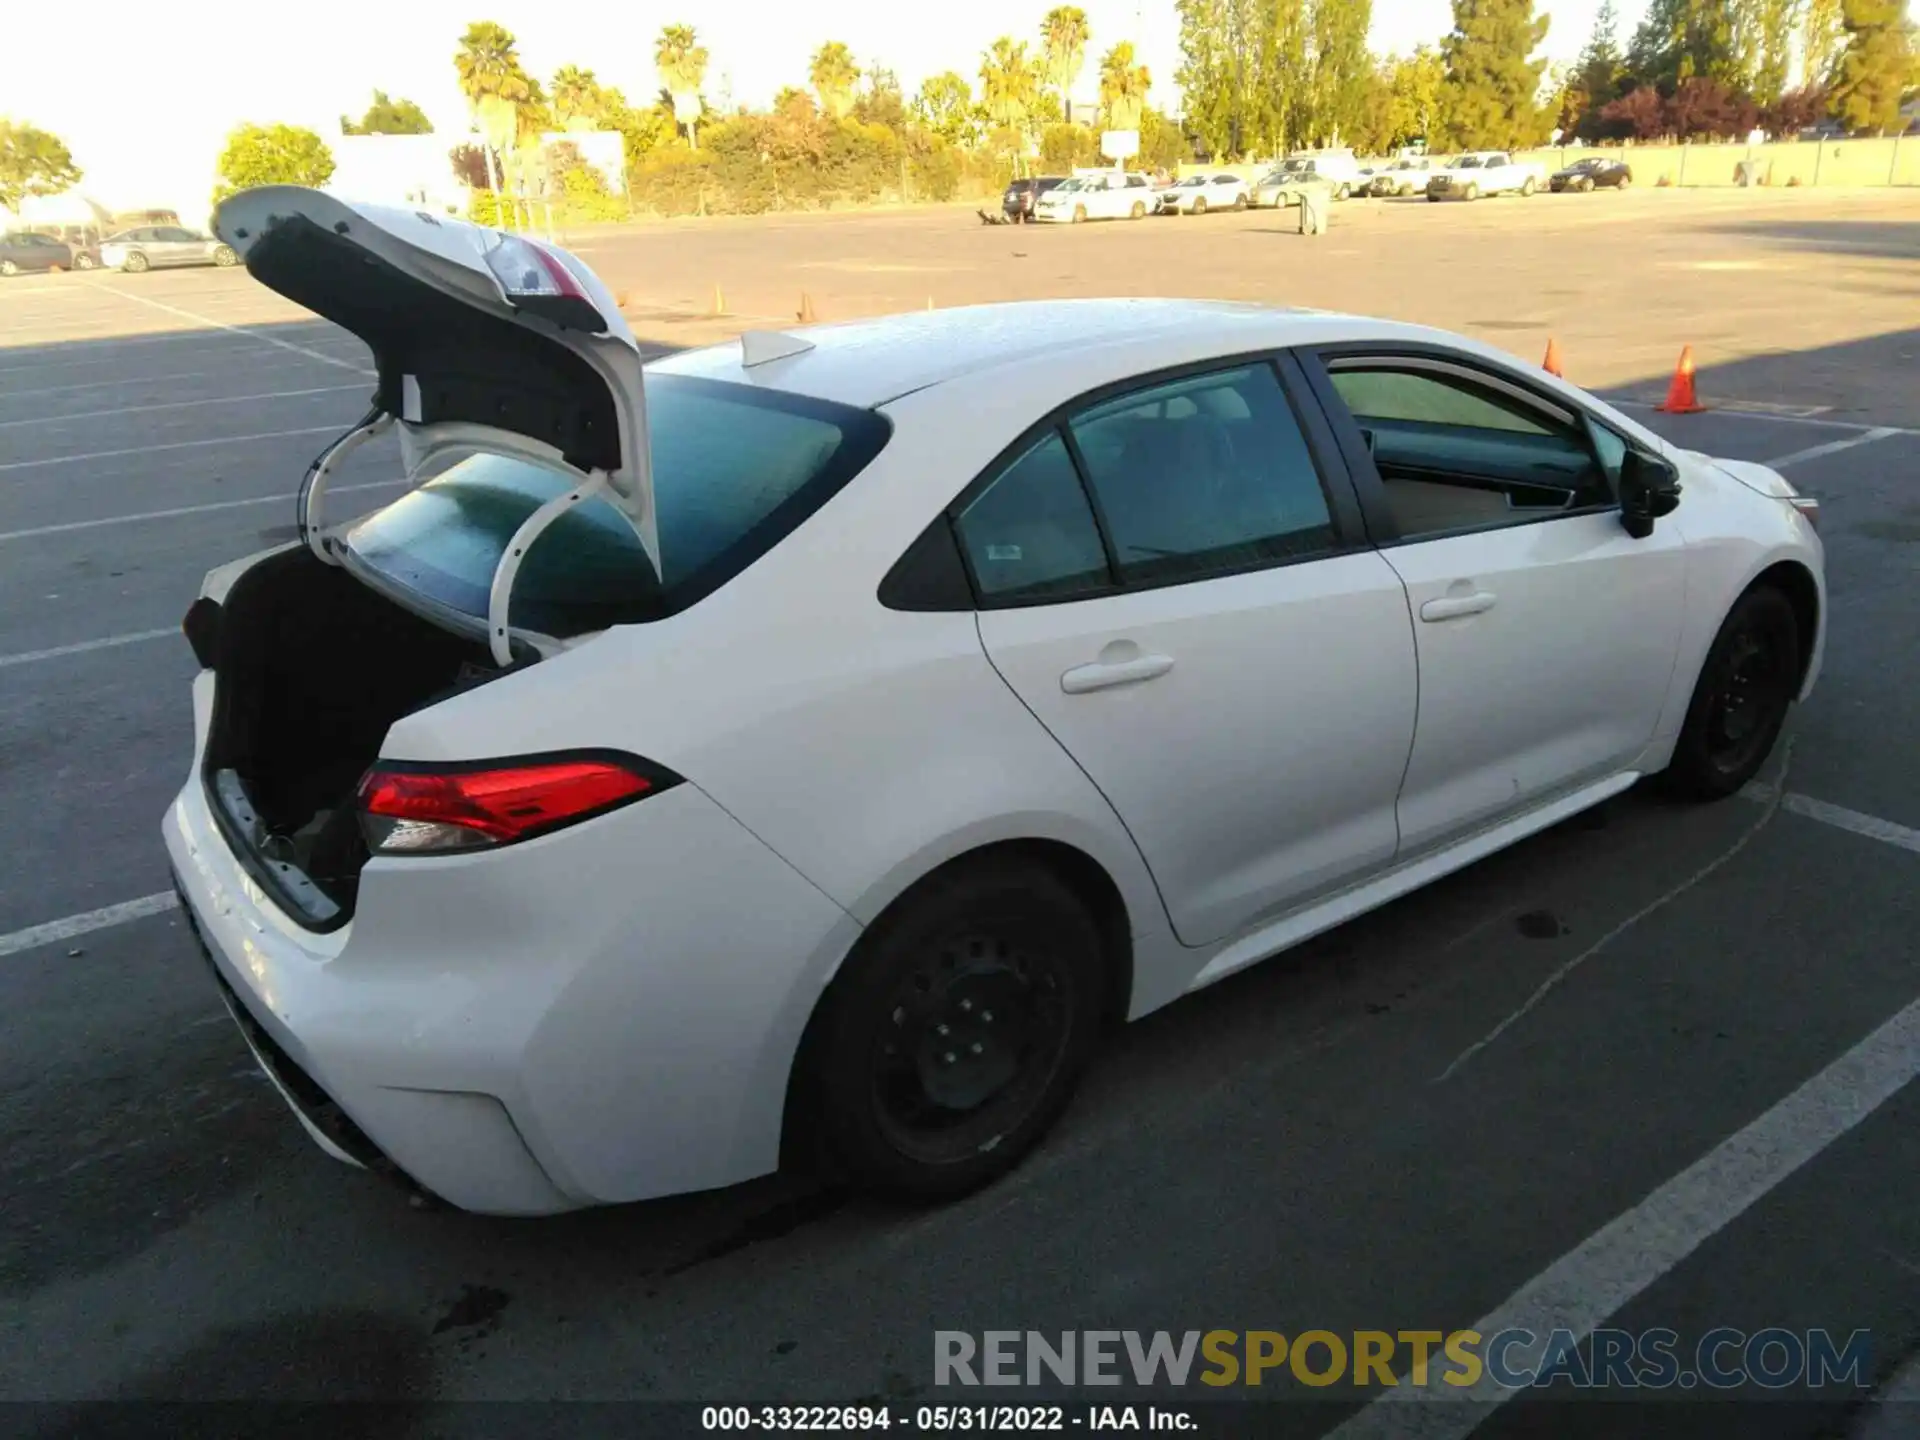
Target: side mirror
1649, 488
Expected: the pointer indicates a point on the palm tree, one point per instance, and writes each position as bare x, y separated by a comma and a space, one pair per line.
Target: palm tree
1008, 84
833, 75
1123, 87
488, 64
682, 63
1063, 50
576, 97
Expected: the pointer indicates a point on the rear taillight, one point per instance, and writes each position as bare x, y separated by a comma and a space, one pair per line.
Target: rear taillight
433, 809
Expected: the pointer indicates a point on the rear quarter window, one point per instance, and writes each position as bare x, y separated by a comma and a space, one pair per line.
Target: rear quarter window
736, 468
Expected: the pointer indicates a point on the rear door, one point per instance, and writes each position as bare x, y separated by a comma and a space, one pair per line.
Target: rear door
1172, 576
1547, 635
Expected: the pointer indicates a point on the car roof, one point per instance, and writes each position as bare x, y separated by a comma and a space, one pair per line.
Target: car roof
867, 363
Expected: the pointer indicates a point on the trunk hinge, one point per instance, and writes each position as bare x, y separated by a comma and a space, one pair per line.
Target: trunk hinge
499, 635
313, 488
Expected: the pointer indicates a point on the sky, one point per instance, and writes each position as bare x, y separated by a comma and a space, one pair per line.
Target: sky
145, 95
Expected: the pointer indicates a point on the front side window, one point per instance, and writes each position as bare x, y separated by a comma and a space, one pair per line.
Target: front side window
1205, 475
1457, 452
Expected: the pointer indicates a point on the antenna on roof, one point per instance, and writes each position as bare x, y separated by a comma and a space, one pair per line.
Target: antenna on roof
757, 347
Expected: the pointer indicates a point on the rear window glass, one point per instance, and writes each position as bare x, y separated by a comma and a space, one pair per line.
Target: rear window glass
735, 469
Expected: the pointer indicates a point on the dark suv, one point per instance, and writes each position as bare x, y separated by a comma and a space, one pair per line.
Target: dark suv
1017, 203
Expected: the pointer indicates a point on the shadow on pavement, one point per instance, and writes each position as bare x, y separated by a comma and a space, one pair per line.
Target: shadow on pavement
1883, 239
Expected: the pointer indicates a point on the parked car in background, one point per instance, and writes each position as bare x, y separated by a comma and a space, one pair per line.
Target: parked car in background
1197, 194
25, 250
1017, 203
1111, 196
154, 246
1336, 169
82, 240
1484, 172
1594, 172
1401, 177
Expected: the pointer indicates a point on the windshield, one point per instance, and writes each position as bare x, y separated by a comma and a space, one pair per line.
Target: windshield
1470, 162
1063, 186
1190, 182
735, 469
1296, 167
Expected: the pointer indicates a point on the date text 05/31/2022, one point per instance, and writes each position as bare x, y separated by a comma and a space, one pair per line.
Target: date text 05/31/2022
937, 1419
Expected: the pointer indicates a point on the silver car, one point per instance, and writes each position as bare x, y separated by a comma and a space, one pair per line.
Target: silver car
152, 246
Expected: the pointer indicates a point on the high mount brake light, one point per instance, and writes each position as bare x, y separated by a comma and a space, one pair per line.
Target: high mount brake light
434, 809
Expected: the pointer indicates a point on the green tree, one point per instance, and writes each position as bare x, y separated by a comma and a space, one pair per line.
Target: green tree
488, 65
1416, 88
1491, 77
1064, 35
1601, 64
833, 75
1341, 66
578, 102
944, 106
387, 116
1245, 75
33, 162
1123, 87
1823, 37
1210, 75
1679, 39
880, 101
272, 155
1875, 68
681, 61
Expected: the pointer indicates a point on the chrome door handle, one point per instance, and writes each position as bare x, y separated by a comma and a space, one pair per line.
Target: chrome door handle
1453, 606
1082, 678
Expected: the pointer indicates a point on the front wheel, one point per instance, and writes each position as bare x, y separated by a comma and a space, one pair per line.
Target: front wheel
1625, 181
83, 262
1079, 214
1472, 192
1526, 187
225, 257
1239, 202
957, 1031
1405, 190
1200, 205
136, 263
1433, 199
8, 268
1741, 699
1345, 192
1138, 212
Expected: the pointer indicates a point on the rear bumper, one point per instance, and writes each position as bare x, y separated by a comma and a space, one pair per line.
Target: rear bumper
606, 1014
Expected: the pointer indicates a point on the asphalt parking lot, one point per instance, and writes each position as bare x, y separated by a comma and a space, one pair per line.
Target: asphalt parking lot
1647, 1070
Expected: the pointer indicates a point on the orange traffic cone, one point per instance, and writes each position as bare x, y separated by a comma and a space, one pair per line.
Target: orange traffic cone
1681, 399
806, 315
1552, 363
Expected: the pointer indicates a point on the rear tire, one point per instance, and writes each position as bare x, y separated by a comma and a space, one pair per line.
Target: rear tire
83, 262
8, 268
136, 264
1472, 192
1433, 199
1625, 181
225, 257
1199, 205
1239, 202
1079, 214
1526, 188
1345, 192
955, 1034
1741, 699
1139, 211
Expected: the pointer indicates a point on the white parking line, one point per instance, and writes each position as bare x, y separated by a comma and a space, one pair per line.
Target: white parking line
27, 657
177, 405
175, 445
1632, 1252
66, 527
1832, 447
236, 329
74, 926
1841, 818
1730, 413
252, 364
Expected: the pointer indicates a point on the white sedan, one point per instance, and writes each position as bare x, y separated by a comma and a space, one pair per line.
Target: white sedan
1113, 196
815, 744
1197, 194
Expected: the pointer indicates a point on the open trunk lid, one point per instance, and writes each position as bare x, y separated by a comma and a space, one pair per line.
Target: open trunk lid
483, 341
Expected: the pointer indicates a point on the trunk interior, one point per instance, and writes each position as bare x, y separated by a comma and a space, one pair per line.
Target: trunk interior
313, 667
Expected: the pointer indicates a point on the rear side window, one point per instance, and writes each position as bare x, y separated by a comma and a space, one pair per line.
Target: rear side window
1030, 534
735, 469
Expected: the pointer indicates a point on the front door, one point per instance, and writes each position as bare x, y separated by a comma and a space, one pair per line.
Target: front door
1547, 635
1209, 638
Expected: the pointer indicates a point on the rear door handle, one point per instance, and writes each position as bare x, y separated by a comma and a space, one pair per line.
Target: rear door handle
1104, 676
1452, 606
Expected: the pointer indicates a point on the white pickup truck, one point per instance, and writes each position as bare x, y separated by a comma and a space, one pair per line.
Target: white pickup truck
1484, 172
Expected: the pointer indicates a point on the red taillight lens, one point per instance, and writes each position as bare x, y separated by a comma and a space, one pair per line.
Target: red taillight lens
419, 810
